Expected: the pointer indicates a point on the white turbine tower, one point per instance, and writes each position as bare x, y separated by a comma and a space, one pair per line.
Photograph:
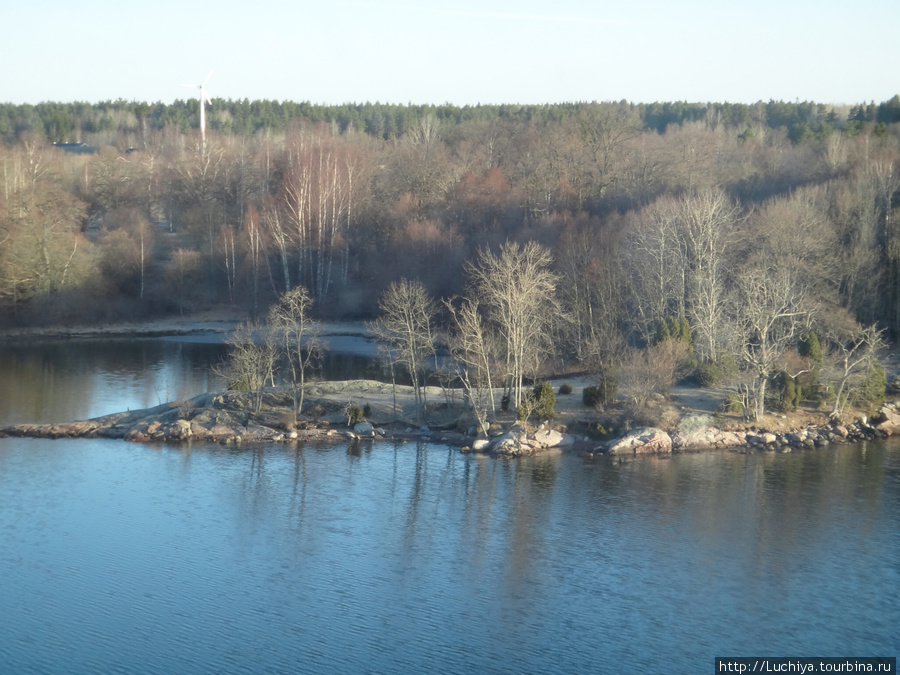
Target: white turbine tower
204, 101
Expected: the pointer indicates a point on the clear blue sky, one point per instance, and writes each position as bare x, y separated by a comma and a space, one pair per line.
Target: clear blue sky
462, 52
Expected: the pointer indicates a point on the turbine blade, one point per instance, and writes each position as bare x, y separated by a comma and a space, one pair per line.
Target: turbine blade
207, 77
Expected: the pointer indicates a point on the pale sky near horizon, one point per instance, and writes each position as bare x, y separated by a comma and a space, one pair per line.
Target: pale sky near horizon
462, 52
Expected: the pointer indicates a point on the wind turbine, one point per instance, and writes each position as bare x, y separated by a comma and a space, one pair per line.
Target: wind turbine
204, 101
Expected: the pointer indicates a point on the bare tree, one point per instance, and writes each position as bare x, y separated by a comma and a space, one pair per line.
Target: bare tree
677, 259
851, 350
293, 328
182, 274
707, 219
771, 312
406, 328
251, 360
127, 247
652, 370
656, 259
474, 352
518, 291
590, 289
254, 248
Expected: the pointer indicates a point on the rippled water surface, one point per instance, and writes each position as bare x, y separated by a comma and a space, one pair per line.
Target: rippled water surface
118, 557
127, 558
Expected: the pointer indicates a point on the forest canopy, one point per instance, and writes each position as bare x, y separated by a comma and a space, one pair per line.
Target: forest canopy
124, 122
115, 209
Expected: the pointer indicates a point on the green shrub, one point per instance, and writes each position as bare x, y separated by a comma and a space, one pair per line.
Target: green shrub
541, 402
239, 384
709, 373
714, 372
604, 392
354, 413
810, 348
787, 392
686, 335
732, 403
565, 389
597, 431
662, 332
592, 396
871, 394
367, 411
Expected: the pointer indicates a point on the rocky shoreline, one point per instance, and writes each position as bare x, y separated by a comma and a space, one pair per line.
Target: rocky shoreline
231, 418
650, 440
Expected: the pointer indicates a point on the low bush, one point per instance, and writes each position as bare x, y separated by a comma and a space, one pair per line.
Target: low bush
353, 413
565, 389
597, 432
541, 402
592, 396
714, 372
545, 400
870, 395
732, 403
604, 392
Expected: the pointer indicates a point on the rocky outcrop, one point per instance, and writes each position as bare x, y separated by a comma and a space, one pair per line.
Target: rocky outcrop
519, 441
888, 420
644, 441
651, 441
218, 419
706, 438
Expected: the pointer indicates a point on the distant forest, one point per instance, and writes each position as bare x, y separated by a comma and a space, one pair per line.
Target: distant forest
114, 210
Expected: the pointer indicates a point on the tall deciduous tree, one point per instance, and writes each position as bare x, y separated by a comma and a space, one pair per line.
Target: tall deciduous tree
518, 291
708, 218
296, 332
44, 251
127, 249
406, 326
474, 351
250, 364
772, 310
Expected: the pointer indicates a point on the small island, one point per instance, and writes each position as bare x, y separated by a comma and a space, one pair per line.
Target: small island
369, 411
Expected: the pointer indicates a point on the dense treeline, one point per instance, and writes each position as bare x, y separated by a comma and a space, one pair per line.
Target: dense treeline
740, 230
124, 123
345, 200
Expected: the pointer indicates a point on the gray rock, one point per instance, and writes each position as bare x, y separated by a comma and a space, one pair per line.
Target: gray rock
364, 429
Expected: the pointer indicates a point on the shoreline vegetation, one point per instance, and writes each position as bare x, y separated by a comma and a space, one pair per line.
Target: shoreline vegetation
751, 249
364, 410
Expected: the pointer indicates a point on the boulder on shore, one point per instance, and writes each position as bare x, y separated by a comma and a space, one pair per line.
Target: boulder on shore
888, 421
518, 441
708, 437
644, 441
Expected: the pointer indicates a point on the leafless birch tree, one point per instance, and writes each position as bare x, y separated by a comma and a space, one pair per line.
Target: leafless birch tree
474, 352
296, 333
771, 312
518, 291
406, 328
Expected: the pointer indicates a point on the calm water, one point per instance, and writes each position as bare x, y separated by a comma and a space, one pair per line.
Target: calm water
118, 557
